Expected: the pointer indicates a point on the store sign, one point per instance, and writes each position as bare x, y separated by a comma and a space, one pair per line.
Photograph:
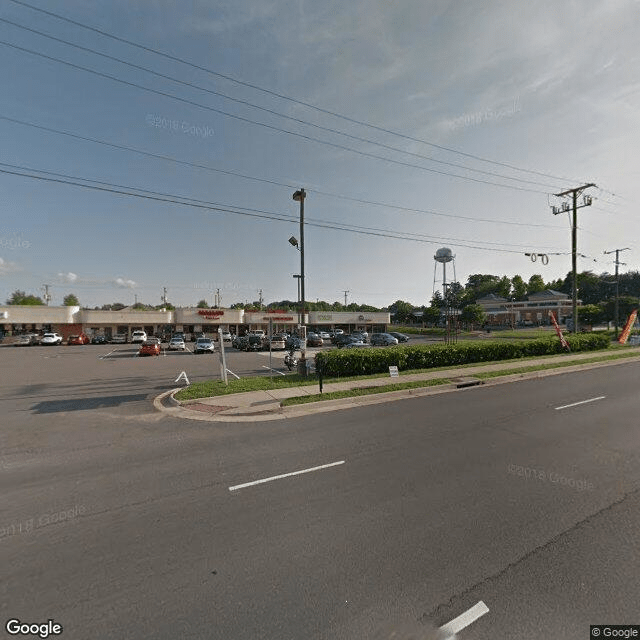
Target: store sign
279, 318
324, 317
210, 313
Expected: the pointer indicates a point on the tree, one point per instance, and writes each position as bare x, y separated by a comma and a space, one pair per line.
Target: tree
115, 306
431, 315
70, 300
504, 287
202, 304
518, 288
535, 284
480, 285
21, 298
473, 314
401, 310
591, 314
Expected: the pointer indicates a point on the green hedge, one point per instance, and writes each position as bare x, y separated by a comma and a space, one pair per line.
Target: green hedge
354, 362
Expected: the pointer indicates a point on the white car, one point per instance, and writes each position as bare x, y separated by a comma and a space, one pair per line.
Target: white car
119, 338
51, 338
138, 337
325, 335
226, 336
176, 344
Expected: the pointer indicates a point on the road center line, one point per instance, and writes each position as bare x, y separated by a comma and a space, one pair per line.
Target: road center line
575, 404
465, 619
285, 475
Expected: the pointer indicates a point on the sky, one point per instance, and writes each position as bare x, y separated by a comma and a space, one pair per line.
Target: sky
411, 126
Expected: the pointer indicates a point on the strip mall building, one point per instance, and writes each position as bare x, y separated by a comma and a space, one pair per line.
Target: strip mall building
67, 321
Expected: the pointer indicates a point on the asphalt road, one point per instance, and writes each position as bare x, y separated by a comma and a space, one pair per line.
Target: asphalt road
119, 522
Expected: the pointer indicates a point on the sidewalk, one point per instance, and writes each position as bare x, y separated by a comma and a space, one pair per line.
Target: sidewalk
254, 406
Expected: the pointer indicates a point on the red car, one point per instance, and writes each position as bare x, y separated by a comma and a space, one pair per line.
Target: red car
150, 347
83, 338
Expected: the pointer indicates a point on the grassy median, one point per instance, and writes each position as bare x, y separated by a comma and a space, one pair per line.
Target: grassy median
364, 391
211, 388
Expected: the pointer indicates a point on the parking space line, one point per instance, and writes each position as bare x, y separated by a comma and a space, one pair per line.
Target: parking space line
465, 619
233, 374
264, 366
575, 404
285, 475
108, 354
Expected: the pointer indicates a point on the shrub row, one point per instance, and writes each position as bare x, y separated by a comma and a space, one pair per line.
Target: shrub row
355, 362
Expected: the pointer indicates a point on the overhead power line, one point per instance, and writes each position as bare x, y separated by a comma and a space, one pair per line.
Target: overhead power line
285, 97
276, 113
245, 211
265, 180
263, 124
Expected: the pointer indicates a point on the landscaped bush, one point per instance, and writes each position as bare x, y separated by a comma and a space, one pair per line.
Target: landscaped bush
354, 362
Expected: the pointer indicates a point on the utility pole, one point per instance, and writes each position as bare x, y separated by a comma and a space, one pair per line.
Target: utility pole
218, 298
164, 295
47, 297
345, 297
574, 239
135, 295
617, 252
260, 299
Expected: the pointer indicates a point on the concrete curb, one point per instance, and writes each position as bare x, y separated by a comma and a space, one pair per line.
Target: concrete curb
325, 406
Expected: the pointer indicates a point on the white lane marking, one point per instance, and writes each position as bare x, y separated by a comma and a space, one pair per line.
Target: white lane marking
233, 374
575, 404
264, 366
285, 475
464, 620
108, 354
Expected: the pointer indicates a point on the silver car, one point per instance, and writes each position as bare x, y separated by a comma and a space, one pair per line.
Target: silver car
51, 338
384, 339
204, 345
177, 344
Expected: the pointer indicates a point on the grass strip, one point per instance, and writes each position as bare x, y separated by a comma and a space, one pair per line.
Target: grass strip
364, 391
552, 365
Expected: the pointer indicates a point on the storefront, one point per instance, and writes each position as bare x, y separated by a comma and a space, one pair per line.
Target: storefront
278, 319
195, 321
348, 321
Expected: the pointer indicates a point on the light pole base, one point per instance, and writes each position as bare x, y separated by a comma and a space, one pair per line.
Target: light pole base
303, 367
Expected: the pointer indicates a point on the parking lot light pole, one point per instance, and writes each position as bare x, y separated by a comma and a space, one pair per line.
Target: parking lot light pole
299, 196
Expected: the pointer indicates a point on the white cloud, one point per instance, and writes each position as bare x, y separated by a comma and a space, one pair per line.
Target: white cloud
7, 267
68, 277
124, 284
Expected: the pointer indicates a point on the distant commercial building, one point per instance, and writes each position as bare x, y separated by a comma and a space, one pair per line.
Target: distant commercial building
534, 311
66, 321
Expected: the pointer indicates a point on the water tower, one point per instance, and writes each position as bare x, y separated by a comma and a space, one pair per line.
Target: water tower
443, 256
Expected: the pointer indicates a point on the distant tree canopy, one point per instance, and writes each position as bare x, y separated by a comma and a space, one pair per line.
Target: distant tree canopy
202, 304
70, 300
21, 298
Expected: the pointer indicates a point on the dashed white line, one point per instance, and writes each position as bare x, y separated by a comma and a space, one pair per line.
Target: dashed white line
575, 404
465, 619
285, 475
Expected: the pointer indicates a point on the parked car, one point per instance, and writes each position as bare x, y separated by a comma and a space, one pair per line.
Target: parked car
81, 338
237, 341
51, 338
99, 338
325, 335
204, 345
400, 337
384, 339
150, 347
138, 337
119, 338
355, 344
344, 340
176, 344
277, 343
293, 342
314, 340
257, 332
226, 336
27, 340
253, 343
362, 334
